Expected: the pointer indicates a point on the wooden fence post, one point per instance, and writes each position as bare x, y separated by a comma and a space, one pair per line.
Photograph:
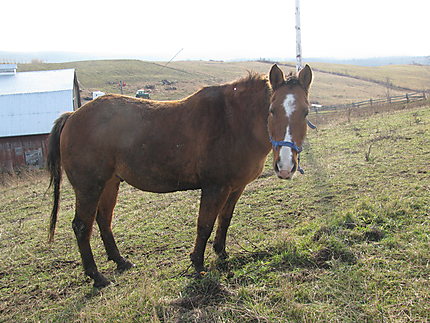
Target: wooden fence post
317, 116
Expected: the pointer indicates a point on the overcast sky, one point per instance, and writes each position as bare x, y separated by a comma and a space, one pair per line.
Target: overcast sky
220, 29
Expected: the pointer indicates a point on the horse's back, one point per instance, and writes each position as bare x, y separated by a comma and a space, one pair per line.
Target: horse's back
143, 142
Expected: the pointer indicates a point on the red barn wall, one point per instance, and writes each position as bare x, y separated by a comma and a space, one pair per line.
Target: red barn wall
22, 152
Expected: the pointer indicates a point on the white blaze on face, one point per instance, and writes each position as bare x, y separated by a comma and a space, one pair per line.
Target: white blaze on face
289, 104
286, 155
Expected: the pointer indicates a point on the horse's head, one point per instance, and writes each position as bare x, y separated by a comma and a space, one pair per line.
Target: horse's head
287, 118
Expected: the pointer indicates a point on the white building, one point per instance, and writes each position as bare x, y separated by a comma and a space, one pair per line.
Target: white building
29, 104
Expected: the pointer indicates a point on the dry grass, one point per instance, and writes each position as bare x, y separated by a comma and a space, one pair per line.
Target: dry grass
414, 77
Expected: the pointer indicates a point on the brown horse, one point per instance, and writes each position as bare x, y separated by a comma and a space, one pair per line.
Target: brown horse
216, 140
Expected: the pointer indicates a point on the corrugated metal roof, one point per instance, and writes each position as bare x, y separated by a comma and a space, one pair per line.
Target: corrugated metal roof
38, 81
31, 101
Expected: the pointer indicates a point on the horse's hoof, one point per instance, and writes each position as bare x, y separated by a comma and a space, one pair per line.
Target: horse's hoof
197, 263
123, 266
223, 255
200, 274
220, 251
199, 271
101, 282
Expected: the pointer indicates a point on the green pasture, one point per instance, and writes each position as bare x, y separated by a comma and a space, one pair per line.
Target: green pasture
346, 242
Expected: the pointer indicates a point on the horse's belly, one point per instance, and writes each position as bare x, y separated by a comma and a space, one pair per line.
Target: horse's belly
161, 186
159, 178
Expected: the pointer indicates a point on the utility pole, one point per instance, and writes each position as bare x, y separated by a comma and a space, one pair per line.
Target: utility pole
298, 38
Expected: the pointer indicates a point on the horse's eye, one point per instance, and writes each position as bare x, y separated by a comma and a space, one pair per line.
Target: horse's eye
306, 112
271, 111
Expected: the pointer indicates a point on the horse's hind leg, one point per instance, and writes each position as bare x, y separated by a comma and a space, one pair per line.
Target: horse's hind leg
104, 220
224, 219
86, 206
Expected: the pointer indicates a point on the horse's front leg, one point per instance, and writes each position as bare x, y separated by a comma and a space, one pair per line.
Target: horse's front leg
212, 201
224, 219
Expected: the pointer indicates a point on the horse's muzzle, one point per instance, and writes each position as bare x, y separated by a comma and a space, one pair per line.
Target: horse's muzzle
285, 174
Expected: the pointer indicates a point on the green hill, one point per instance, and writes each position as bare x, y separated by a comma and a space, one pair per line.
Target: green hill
333, 83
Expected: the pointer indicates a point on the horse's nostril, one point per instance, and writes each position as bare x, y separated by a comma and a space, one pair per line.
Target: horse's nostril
294, 168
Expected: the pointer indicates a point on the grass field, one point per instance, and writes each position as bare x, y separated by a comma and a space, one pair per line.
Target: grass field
414, 77
346, 242
189, 76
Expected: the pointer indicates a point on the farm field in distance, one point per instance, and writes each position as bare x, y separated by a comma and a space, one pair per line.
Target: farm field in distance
347, 241
354, 84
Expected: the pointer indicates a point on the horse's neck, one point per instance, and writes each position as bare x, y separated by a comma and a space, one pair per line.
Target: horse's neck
250, 121
260, 132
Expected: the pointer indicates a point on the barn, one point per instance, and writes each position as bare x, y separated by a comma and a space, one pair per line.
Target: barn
29, 104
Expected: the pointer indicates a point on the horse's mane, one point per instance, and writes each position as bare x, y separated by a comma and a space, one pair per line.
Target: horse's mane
255, 78
292, 79
252, 79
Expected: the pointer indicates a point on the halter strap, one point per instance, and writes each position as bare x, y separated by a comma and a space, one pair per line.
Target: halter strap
283, 143
310, 124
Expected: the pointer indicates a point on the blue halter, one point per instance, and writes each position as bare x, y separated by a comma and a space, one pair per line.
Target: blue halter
292, 145
283, 143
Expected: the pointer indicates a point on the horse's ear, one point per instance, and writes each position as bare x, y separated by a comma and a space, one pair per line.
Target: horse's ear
305, 77
276, 77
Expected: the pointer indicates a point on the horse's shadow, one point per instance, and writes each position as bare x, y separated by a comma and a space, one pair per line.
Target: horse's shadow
202, 291
204, 294
205, 290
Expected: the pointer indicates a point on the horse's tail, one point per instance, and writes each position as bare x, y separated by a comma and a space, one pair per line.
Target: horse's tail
54, 167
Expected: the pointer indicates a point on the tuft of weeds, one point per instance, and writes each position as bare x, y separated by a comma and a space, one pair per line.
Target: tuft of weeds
367, 156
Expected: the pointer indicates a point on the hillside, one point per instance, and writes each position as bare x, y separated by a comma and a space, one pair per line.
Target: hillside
347, 241
404, 77
353, 84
